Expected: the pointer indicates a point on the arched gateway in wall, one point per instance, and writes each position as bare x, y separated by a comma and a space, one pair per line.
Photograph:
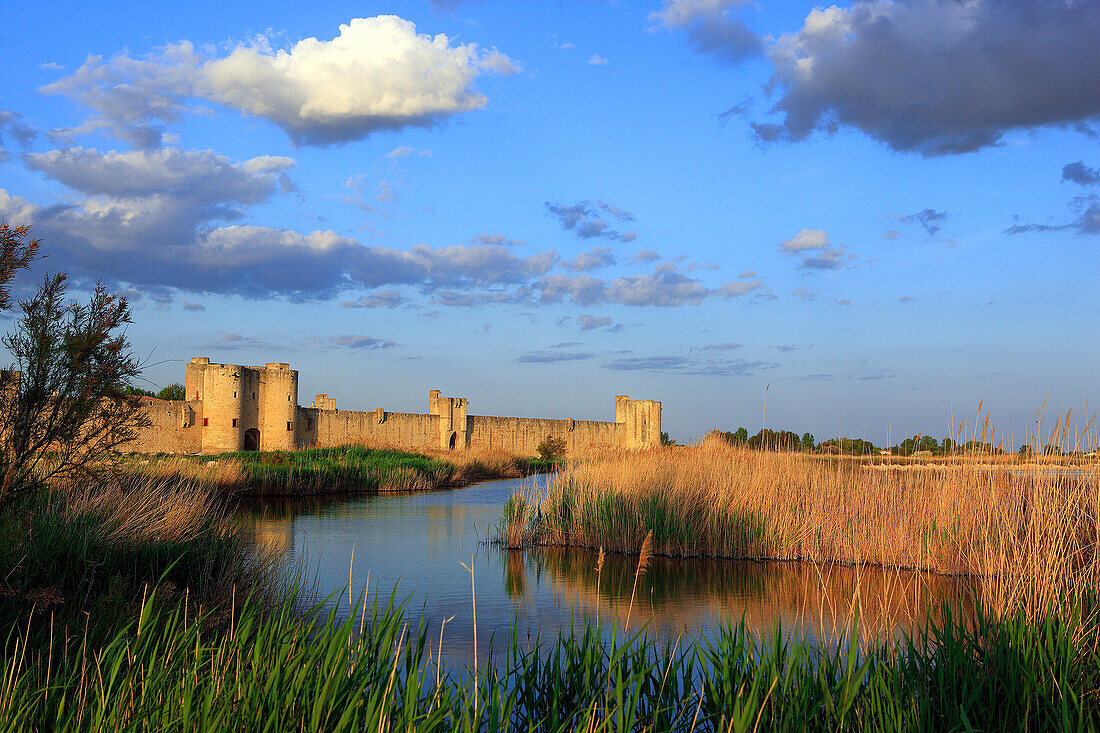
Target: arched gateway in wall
251, 439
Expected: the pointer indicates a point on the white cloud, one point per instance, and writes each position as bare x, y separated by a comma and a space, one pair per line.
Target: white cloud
595, 60
806, 239
824, 256
377, 74
201, 176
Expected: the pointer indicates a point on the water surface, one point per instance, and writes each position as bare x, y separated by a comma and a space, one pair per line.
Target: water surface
418, 542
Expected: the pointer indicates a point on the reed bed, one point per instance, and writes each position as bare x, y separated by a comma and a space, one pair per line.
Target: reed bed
279, 669
337, 470
86, 553
1028, 535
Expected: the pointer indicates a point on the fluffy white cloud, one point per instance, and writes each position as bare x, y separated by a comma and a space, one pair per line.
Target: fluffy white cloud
377, 74
824, 256
937, 76
805, 240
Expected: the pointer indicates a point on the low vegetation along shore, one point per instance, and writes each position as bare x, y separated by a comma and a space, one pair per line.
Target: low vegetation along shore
1027, 533
137, 604
282, 668
334, 470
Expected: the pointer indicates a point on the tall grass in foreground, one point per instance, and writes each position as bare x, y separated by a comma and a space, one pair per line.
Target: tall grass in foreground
1028, 535
274, 669
85, 554
335, 470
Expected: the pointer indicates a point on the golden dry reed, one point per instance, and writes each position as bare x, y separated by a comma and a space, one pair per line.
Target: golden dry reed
1027, 531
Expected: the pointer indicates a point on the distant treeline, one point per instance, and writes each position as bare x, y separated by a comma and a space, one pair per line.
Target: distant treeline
171, 392
787, 440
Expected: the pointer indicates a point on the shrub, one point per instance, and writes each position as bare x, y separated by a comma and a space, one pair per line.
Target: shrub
551, 448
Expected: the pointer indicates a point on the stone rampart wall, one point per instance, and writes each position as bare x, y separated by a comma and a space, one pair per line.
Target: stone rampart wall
174, 427
329, 428
523, 434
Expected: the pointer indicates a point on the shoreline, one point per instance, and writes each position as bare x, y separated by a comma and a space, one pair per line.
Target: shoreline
333, 471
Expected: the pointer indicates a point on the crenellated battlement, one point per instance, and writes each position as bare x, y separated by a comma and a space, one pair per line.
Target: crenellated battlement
232, 407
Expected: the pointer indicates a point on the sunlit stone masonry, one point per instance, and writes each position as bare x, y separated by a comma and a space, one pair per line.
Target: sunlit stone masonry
229, 407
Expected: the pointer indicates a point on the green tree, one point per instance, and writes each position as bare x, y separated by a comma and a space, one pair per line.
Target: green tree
666, 440
775, 440
175, 391
132, 391
63, 400
807, 442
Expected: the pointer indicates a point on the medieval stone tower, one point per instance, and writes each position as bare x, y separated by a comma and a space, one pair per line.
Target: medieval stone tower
453, 426
642, 419
244, 408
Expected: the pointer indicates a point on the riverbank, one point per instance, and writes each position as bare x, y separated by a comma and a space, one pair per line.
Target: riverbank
156, 613
1028, 536
343, 469
285, 670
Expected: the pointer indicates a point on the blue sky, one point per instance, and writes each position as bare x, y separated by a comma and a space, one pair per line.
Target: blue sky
886, 211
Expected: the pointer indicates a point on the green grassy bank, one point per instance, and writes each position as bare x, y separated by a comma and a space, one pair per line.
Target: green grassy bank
335, 470
279, 669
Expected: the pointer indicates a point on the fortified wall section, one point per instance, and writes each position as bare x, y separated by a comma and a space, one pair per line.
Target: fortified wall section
174, 427
231, 407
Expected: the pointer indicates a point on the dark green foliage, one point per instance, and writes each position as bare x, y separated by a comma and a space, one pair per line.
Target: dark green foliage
928, 444
848, 447
776, 440
551, 448
173, 391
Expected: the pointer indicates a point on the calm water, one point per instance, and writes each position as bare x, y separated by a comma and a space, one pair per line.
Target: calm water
417, 543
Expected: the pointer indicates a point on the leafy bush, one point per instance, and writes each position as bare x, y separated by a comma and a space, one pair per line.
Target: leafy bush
551, 448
